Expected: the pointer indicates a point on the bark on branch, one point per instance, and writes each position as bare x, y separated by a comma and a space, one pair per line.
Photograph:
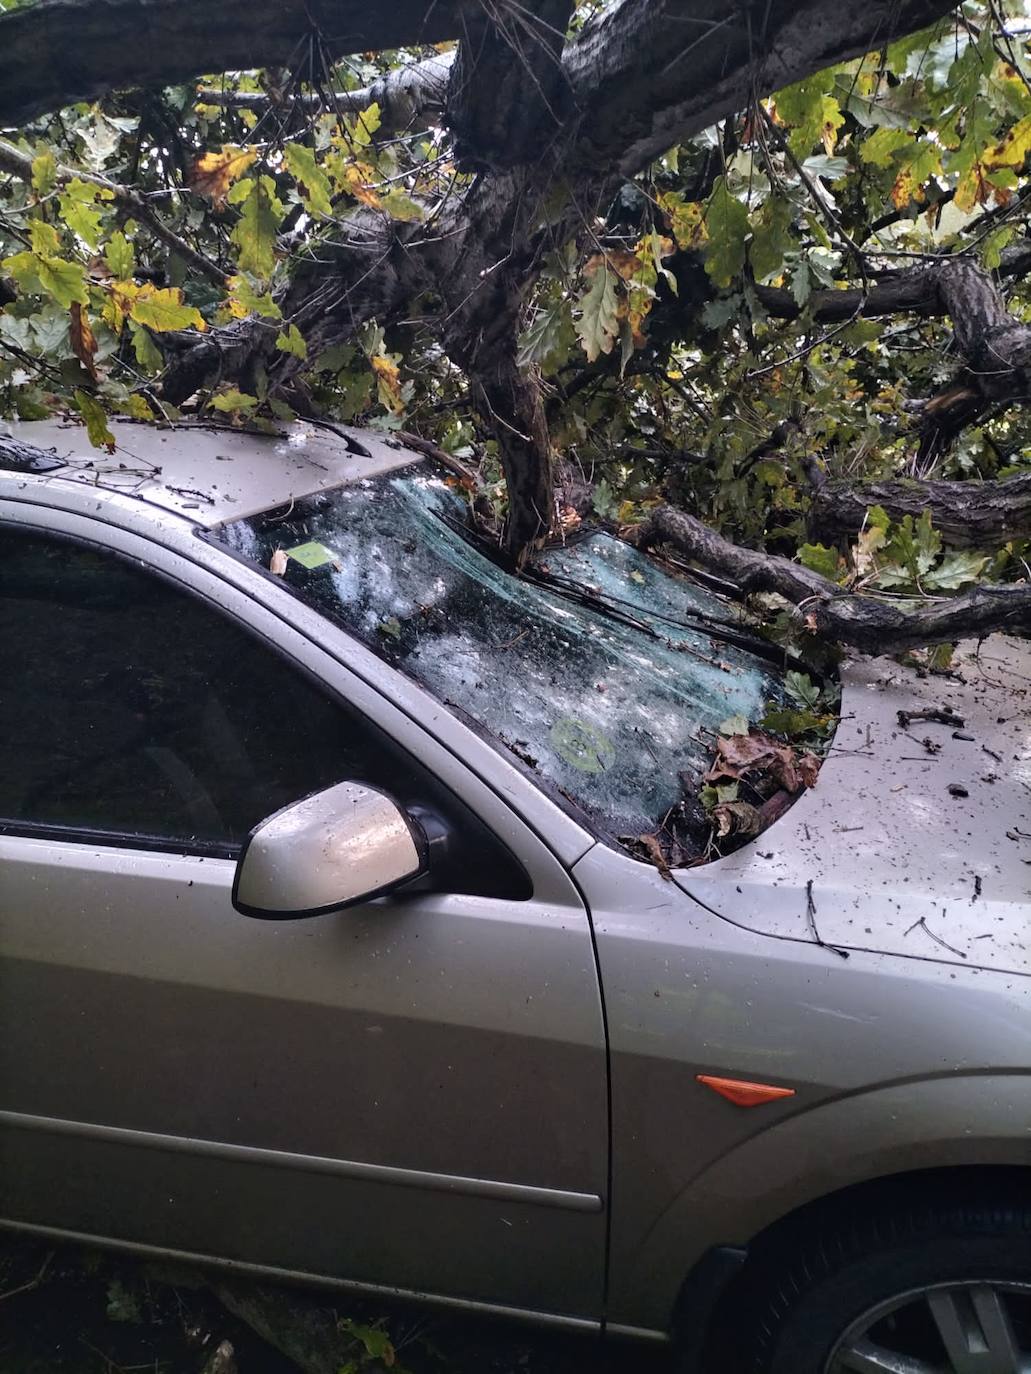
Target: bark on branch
57, 52
403, 95
967, 514
868, 623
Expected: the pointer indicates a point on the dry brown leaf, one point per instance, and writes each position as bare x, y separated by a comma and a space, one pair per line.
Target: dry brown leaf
651, 846
809, 769
277, 563
82, 338
755, 753
736, 818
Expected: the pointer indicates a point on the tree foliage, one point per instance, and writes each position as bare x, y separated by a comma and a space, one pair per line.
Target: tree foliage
540, 253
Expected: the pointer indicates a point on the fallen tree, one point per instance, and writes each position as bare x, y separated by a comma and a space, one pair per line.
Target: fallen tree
432, 202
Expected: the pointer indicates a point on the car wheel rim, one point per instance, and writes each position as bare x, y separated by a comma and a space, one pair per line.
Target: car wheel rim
954, 1328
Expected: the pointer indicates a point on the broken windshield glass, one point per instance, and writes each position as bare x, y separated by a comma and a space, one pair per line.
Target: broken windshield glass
611, 696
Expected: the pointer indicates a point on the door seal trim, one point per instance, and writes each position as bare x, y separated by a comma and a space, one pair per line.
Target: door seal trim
312, 1164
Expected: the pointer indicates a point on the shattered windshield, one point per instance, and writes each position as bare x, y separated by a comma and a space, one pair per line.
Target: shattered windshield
607, 677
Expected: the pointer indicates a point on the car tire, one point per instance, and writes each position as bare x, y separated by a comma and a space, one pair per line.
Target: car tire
918, 1287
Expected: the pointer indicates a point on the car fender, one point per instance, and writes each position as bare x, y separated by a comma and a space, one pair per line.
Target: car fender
948, 1121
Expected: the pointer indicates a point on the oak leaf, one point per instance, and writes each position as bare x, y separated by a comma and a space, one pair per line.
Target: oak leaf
214, 173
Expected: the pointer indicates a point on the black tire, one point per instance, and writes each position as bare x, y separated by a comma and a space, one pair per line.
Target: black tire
834, 1273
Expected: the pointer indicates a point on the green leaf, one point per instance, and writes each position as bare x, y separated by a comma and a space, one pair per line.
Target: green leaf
311, 179
820, 559
771, 238
726, 220
96, 421
734, 725
598, 324
252, 300
880, 148
365, 125
147, 353
79, 210
44, 174
291, 340
956, 570
548, 332
401, 207
784, 720
801, 688
232, 401
809, 106
119, 256
255, 233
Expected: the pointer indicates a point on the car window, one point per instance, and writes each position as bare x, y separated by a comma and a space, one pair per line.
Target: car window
129, 707
609, 679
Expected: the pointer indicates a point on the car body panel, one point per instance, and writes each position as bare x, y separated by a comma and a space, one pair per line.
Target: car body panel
380, 1077
886, 856
210, 473
687, 993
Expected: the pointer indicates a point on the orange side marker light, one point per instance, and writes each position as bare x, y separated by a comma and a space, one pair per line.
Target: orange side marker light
744, 1094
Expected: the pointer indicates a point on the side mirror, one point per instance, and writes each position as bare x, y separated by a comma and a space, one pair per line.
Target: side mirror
344, 845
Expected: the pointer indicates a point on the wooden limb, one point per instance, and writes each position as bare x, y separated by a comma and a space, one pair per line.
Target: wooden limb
56, 52
402, 95
508, 95
510, 401
868, 623
967, 514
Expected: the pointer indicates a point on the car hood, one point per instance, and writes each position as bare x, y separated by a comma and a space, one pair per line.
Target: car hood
914, 849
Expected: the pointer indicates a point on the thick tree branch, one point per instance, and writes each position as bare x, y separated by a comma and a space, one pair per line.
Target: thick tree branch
509, 94
967, 514
867, 623
57, 52
647, 76
403, 95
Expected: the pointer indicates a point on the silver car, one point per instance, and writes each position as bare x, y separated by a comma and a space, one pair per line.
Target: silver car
776, 1106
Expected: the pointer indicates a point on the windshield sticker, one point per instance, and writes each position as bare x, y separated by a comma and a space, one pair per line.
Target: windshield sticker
313, 555
582, 745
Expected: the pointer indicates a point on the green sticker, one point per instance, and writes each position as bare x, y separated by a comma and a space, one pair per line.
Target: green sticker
312, 555
582, 745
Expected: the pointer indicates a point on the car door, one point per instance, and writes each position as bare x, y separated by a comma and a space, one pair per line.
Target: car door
407, 1093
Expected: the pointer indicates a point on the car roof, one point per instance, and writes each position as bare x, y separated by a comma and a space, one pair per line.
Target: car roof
208, 473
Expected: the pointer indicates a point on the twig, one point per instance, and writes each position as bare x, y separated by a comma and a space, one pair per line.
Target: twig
32, 1283
810, 911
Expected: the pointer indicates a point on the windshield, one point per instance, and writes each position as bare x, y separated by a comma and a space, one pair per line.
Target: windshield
601, 677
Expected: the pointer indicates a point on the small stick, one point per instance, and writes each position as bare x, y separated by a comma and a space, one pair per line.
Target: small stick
938, 939
32, 1283
810, 911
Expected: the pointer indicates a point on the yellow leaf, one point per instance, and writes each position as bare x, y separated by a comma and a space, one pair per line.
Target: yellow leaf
355, 177
162, 308
214, 173
904, 190
1012, 150
389, 379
